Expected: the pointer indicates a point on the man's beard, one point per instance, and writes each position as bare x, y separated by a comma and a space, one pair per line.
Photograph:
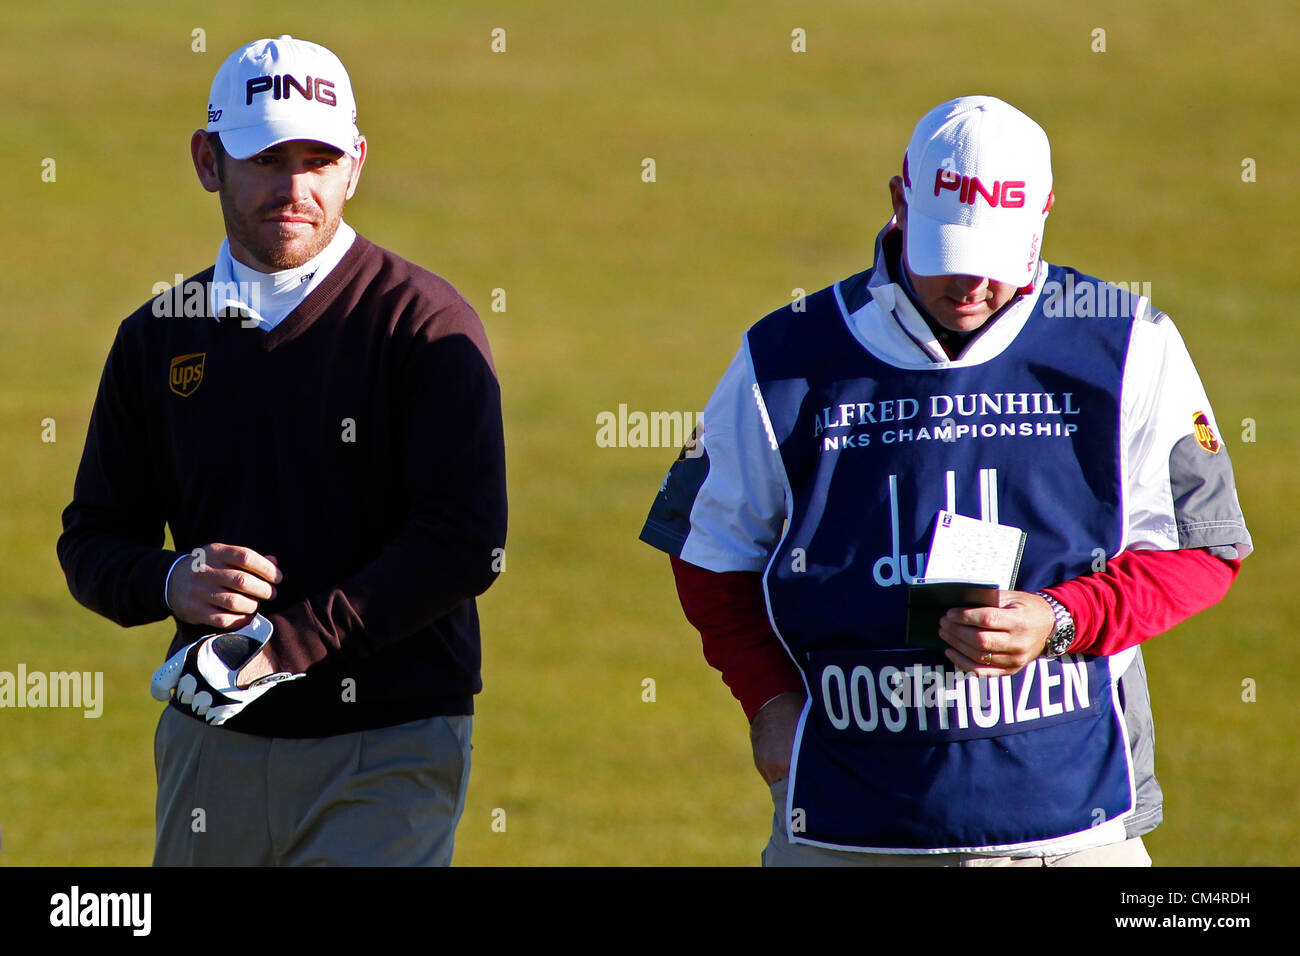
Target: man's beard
281, 255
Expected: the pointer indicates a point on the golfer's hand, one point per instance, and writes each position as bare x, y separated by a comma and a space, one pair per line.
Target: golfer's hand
222, 586
772, 735
992, 641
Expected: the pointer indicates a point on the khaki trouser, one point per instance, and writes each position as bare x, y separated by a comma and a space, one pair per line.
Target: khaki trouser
385, 797
781, 852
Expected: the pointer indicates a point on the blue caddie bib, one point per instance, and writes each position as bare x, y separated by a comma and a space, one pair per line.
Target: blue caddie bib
900, 750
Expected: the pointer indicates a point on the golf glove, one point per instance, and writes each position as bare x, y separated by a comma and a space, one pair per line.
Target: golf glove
202, 675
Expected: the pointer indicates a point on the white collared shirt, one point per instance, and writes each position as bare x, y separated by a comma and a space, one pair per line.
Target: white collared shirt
267, 297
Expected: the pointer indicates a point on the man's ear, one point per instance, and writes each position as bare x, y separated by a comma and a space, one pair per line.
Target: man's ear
355, 175
900, 203
205, 161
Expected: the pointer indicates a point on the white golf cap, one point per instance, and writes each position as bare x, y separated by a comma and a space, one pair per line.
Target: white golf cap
977, 177
273, 91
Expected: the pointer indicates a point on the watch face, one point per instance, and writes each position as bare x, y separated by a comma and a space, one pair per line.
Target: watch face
1061, 638
1062, 635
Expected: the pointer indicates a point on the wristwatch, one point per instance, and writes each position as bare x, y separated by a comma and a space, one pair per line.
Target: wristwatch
1063, 636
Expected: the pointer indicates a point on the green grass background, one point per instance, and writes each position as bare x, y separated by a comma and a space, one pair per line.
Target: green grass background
522, 171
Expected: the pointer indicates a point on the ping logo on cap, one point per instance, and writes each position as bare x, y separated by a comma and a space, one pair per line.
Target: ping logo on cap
281, 84
1009, 194
1205, 436
186, 373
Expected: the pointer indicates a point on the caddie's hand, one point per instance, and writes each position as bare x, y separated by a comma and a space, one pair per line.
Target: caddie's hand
992, 641
222, 586
202, 675
772, 735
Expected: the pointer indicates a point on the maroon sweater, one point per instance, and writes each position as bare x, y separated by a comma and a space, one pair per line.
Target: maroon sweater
360, 442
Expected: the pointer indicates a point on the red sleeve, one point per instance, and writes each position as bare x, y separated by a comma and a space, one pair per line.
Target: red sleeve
729, 611
1142, 594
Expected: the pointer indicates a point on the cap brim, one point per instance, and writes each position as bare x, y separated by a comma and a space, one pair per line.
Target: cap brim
251, 140
940, 248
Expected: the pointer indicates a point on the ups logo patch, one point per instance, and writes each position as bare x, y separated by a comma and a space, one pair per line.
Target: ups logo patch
186, 373
1204, 432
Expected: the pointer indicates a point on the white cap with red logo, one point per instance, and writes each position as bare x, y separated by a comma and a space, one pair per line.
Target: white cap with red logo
977, 177
273, 91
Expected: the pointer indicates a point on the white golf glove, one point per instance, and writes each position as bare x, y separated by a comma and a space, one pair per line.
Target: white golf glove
203, 674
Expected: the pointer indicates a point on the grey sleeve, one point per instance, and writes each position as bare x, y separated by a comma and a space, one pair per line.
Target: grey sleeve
1206, 511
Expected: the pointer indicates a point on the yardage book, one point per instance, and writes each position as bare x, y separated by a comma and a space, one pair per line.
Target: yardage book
968, 563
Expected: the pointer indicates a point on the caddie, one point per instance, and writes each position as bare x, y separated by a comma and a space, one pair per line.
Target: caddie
960, 375
318, 423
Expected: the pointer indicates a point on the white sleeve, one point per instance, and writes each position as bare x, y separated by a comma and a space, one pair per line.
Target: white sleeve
723, 504
1179, 490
